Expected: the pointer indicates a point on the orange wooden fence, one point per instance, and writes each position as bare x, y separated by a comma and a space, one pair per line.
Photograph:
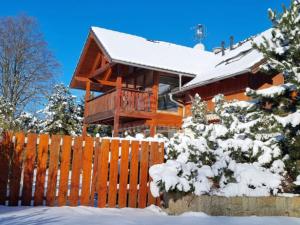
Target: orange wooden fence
61, 170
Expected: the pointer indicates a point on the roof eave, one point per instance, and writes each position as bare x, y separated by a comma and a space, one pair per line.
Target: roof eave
153, 68
211, 81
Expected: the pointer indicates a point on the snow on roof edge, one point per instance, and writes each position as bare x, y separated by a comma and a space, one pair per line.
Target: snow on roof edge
114, 58
211, 81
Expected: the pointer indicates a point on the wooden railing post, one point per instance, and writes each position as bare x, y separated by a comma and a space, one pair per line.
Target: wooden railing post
87, 97
154, 102
117, 106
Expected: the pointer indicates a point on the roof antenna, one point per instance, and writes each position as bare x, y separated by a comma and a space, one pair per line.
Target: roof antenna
231, 42
200, 34
223, 47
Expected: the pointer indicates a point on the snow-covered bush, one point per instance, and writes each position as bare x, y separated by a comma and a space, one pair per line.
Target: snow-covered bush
6, 115
228, 158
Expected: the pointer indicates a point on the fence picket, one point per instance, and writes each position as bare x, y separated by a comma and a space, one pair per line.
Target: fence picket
142, 199
16, 169
103, 173
42, 156
161, 157
123, 174
30, 154
76, 171
133, 177
154, 158
4, 166
86, 171
64, 171
113, 173
52, 171
95, 172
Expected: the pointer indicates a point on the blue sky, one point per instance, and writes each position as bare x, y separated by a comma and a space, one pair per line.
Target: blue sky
65, 24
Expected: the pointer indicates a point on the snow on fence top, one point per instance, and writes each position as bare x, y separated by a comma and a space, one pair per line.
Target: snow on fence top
130, 139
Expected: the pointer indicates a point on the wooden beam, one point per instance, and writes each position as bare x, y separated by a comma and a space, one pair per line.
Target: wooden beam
103, 61
154, 102
96, 63
107, 74
117, 106
155, 91
99, 71
87, 97
105, 82
102, 82
152, 128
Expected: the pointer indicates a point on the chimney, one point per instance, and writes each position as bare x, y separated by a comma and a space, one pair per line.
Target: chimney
231, 42
217, 50
223, 47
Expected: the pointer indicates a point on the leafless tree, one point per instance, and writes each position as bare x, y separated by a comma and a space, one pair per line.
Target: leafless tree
27, 66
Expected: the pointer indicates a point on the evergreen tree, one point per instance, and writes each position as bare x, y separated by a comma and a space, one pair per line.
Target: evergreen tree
282, 50
199, 110
282, 53
28, 122
62, 113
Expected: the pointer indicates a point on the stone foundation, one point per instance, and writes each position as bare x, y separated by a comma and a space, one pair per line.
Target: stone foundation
233, 206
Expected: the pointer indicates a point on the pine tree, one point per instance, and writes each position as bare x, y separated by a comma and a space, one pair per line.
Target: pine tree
282, 53
199, 110
282, 49
28, 122
62, 113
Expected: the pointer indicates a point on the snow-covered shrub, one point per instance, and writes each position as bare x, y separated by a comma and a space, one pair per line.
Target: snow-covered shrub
6, 115
229, 158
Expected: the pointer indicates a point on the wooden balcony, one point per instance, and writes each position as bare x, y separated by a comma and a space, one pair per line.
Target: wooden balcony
133, 104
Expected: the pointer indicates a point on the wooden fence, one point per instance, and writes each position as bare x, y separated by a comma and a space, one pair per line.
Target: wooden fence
61, 170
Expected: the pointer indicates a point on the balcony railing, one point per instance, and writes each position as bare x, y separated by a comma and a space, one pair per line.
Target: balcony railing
131, 101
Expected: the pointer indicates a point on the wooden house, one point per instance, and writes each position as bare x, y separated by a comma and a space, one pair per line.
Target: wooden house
148, 84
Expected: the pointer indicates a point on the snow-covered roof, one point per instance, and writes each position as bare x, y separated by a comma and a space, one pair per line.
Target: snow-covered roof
205, 67
133, 50
239, 60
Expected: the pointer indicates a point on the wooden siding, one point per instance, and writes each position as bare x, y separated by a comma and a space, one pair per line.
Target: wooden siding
232, 88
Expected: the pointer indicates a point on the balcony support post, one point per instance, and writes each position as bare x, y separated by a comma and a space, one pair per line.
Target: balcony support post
117, 106
87, 97
154, 102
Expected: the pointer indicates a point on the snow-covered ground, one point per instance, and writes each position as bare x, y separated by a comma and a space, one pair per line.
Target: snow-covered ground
151, 215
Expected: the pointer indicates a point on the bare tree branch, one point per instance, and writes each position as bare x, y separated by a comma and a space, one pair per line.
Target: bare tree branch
27, 67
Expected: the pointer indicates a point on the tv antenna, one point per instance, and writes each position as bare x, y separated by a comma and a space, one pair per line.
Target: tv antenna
200, 32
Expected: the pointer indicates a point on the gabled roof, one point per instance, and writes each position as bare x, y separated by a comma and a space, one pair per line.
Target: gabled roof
240, 60
157, 55
205, 67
